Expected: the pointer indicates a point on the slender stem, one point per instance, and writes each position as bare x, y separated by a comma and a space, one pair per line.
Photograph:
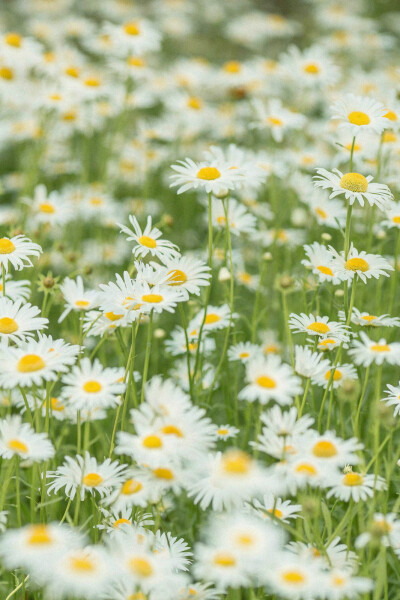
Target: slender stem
394, 276
147, 356
364, 388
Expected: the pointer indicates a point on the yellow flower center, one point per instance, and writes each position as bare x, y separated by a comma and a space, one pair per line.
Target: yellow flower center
208, 173
176, 277
324, 449
147, 241
274, 121
311, 68
131, 487
222, 431
135, 61
337, 375
352, 479
368, 318
306, 469
236, 462
293, 577
244, 539
132, 28
30, 363
119, 522
72, 72
6, 73
389, 137
244, 355
391, 115
211, 318
339, 581
6, 246
318, 327
13, 39
17, 446
325, 344
266, 382
92, 480
47, 208
232, 66
357, 117
224, 559
396, 220
112, 316
82, 303
354, 182
356, 264
325, 270
321, 213
39, 535
275, 512
8, 325
81, 564
163, 473
92, 387
152, 441
380, 348
152, 298
92, 82
195, 103
172, 430
56, 405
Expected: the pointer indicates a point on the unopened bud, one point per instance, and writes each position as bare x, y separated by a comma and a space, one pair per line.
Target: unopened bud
224, 274
48, 282
339, 293
222, 194
326, 237
159, 333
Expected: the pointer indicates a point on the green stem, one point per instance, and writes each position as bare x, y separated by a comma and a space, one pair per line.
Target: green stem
147, 356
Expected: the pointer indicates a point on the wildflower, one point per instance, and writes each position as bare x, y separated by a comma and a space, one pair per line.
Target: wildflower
77, 299
270, 379
16, 251
19, 320
354, 485
213, 177
366, 351
19, 439
148, 241
360, 113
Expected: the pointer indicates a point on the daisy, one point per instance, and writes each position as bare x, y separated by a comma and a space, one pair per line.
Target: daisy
186, 273
19, 439
241, 160
365, 319
309, 363
134, 490
360, 113
75, 296
244, 351
392, 216
217, 317
226, 432
213, 177
14, 289
386, 527
310, 68
239, 220
90, 385
393, 398
281, 509
49, 208
176, 345
355, 187
16, 251
330, 449
133, 38
341, 374
367, 351
318, 326
221, 565
158, 298
33, 362
276, 119
34, 544
327, 211
98, 323
270, 379
293, 577
78, 572
355, 486
226, 480
339, 583
18, 320
147, 241
85, 475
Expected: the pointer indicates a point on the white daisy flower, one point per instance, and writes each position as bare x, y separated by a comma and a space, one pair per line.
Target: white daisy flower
97, 322
33, 362
75, 296
293, 577
19, 439
309, 363
241, 160
15, 290
329, 448
227, 432
392, 216
134, 37
213, 177
90, 385
134, 490
148, 241
16, 251
158, 298
367, 351
339, 583
355, 187
84, 475
18, 320
365, 319
356, 486
270, 379
275, 118
360, 113
387, 527
244, 351
281, 509
341, 374
311, 68
186, 273
393, 398
217, 317
239, 219
318, 326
